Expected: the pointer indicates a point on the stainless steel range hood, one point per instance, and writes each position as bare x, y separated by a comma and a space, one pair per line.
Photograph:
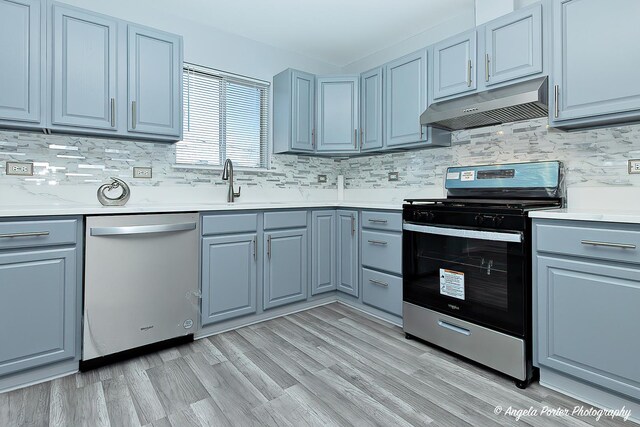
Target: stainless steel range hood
519, 101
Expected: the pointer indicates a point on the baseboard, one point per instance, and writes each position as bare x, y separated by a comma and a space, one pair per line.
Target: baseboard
38, 375
371, 311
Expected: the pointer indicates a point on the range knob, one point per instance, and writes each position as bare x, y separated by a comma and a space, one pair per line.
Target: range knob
499, 220
430, 216
479, 219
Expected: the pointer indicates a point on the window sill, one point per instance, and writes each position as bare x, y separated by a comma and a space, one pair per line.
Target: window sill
219, 168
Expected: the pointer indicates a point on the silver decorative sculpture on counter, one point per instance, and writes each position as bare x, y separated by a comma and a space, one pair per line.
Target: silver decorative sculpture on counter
120, 200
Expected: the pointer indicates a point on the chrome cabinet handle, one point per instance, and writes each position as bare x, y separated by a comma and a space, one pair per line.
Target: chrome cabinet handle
269, 246
361, 137
313, 138
113, 112
355, 138
486, 71
454, 328
377, 242
141, 229
353, 225
255, 250
378, 221
608, 244
379, 283
469, 73
27, 234
420, 131
133, 114
556, 96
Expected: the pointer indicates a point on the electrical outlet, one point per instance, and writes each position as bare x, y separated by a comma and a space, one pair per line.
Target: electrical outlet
142, 172
322, 178
20, 169
634, 166
394, 176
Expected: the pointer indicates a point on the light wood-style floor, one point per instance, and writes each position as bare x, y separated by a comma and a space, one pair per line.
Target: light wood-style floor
330, 365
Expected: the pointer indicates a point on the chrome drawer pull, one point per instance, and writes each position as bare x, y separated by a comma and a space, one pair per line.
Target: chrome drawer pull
379, 283
608, 245
30, 234
454, 328
377, 242
378, 221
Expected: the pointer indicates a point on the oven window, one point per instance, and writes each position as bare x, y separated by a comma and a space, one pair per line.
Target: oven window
474, 279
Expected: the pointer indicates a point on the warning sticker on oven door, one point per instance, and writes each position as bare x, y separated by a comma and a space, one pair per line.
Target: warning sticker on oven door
452, 283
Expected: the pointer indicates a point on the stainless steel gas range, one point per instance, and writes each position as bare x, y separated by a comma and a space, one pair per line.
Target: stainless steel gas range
467, 263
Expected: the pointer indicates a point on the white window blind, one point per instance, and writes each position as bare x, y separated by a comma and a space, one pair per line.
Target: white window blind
225, 117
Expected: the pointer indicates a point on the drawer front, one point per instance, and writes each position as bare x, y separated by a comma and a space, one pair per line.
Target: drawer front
290, 219
382, 251
225, 224
389, 221
591, 241
382, 291
23, 234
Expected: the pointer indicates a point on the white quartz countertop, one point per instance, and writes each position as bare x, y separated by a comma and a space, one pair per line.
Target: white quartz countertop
590, 214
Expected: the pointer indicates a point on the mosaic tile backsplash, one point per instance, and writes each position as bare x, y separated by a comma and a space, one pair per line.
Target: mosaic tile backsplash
593, 157
73, 160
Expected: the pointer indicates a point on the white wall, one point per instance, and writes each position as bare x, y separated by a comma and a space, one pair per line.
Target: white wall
207, 46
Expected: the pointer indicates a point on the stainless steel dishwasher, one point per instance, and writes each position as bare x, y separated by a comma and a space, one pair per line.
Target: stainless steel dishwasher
141, 281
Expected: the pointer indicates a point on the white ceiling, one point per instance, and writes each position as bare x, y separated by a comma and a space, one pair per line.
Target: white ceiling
338, 32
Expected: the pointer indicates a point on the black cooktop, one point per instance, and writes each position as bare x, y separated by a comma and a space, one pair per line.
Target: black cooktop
519, 204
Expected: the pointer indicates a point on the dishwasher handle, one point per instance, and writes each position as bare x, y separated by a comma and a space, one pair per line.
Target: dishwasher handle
142, 229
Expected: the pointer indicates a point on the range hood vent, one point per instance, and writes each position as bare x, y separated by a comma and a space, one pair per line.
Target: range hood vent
519, 101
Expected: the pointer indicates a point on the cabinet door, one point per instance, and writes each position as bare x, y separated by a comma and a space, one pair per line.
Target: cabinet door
513, 46
20, 67
155, 82
406, 99
84, 69
347, 256
229, 277
588, 321
323, 252
302, 102
285, 267
595, 58
371, 110
37, 308
454, 63
337, 113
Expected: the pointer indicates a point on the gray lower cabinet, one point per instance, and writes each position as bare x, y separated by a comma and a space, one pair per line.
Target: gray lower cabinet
285, 267
21, 67
586, 312
229, 276
347, 252
39, 294
323, 251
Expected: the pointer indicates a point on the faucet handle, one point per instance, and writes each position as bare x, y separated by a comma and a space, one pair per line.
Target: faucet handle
238, 193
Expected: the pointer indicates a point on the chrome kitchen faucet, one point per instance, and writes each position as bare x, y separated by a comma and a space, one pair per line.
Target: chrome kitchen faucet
227, 174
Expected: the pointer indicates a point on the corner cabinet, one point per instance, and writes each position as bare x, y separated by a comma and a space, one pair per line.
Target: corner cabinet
154, 82
22, 66
587, 292
337, 114
84, 69
371, 87
454, 65
595, 63
405, 99
293, 112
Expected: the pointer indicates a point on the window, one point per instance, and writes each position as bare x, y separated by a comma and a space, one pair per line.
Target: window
225, 117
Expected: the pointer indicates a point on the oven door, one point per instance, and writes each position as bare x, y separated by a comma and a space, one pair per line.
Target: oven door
472, 274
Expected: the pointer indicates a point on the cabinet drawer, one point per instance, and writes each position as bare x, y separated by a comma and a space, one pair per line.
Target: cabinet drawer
224, 224
382, 291
22, 234
382, 251
290, 219
389, 221
610, 242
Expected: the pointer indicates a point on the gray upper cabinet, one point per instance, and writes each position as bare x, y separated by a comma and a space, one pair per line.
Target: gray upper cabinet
595, 60
513, 46
155, 82
405, 99
84, 69
293, 112
454, 65
285, 267
371, 86
337, 113
21, 67
229, 276
323, 251
347, 252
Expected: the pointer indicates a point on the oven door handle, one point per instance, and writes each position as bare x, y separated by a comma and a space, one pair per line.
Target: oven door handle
495, 236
